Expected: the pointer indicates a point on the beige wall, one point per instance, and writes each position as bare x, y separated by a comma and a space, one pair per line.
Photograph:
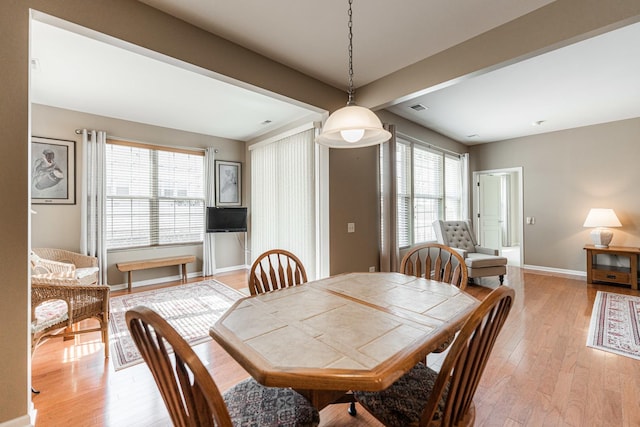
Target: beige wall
353, 197
141, 25
564, 175
58, 225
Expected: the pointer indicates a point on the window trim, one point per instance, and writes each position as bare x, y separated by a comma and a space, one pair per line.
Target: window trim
154, 148
442, 209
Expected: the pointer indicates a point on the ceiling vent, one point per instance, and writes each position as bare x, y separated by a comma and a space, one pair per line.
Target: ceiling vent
418, 107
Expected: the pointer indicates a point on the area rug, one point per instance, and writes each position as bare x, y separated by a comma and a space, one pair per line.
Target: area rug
615, 324
191, 309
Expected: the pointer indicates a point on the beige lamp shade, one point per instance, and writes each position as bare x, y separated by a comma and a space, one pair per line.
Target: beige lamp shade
601, 219
352, 127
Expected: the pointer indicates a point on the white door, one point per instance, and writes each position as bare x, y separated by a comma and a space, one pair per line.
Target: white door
490, 211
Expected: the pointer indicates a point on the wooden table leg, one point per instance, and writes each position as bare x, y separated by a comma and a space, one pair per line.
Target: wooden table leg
130, 280
633, 266
323, 398
589, 266
184, 272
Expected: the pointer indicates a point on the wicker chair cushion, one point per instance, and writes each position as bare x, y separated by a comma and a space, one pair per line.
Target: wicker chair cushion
402, 403
251, 404
49, 313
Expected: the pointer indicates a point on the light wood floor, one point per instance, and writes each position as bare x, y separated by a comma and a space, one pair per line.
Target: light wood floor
540, 372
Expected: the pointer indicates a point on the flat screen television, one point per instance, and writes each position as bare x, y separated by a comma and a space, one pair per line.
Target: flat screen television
226, 219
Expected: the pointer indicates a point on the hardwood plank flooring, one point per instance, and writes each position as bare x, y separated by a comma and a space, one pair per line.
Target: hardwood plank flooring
541, 373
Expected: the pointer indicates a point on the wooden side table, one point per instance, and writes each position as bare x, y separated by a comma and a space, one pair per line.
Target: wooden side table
609, 273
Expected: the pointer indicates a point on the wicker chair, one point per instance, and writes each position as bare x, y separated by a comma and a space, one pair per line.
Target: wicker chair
190, 393
276, 269
58, 303
437, 262
67, 263
423, 397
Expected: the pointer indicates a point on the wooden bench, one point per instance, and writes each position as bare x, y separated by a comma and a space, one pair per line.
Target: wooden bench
143, 264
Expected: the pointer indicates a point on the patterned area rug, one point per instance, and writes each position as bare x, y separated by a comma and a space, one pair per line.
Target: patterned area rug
615, 324
191, 309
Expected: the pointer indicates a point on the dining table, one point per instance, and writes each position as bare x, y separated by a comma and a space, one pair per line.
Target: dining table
354, 331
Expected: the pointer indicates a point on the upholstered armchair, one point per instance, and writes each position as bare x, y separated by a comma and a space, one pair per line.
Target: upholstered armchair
62, 263
480, 261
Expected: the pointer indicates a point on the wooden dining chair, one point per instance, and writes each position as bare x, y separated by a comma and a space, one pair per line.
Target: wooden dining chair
190, 393
276, 269
423, 397
437, 262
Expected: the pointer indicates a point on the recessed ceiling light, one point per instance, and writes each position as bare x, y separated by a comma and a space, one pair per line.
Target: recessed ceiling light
266, 122
538, 122
418, 107
473, 135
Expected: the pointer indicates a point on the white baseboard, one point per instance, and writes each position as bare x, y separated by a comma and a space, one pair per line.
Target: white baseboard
23, 421
122, 286
573, 274
232, 268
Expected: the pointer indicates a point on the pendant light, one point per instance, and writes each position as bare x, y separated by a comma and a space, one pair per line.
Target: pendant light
352, 126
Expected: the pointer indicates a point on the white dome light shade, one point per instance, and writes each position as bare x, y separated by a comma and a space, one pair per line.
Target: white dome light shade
352, 127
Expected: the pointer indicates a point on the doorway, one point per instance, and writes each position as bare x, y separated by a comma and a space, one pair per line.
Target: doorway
498, 211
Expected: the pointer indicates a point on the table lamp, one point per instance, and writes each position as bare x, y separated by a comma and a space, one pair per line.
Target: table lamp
601, 219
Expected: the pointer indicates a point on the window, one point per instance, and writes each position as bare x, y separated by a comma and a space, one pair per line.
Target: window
429, 187
154, 195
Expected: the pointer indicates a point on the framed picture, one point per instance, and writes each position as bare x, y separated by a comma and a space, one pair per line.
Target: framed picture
228, 183
53, 171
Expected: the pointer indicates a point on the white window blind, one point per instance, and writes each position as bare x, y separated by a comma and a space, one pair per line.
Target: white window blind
155, 195
283, 198
429, 188
427, 192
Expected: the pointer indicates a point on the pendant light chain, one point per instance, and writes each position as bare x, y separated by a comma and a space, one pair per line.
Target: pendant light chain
351, 91
352, 126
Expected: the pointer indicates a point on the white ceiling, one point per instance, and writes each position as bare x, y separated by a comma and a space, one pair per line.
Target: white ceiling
590, 82
84, 74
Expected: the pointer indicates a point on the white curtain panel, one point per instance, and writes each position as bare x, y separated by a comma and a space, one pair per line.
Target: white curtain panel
389, 250
92, 205
209, 241
283, 198
464, 173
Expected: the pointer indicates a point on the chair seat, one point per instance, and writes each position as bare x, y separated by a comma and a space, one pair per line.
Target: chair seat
49, 313
251, 404
401, 404
478, 260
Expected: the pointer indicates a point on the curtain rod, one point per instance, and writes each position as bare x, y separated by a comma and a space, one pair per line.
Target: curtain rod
419, 141
79, 131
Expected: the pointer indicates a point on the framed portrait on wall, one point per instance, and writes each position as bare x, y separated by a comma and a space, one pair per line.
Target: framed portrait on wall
228, 183
53, 171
